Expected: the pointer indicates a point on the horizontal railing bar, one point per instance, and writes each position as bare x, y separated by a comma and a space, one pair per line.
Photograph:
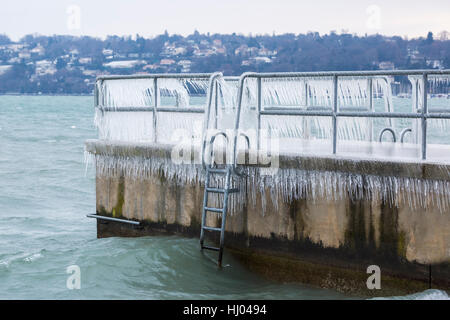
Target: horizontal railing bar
381, 115
355, 114
126, 109
435, 115
347, 73
231, 78
302, 107
186, 110
164, 76
316, 108
155, 75
296, 113
359, 112
151, 109
96, 216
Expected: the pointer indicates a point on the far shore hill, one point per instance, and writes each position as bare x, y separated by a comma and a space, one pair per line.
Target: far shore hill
69, 65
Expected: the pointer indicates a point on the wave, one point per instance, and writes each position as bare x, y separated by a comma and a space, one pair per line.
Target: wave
430, 294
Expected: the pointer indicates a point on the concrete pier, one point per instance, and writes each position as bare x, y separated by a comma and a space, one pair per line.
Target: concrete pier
312, 238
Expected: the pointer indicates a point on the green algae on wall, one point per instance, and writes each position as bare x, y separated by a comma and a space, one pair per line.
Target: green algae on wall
117, 210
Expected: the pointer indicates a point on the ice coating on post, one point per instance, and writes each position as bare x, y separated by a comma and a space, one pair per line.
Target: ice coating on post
438, 86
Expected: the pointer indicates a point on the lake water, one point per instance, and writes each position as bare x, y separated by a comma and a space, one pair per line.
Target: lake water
45, 196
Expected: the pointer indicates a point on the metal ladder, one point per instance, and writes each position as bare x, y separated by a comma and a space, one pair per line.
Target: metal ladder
226, 190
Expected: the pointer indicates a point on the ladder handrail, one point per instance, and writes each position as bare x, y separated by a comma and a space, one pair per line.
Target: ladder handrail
211, 146
211, 87
402, 134
380, 138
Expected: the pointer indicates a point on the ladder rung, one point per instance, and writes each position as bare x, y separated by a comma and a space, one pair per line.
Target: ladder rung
210, 248
216, 190
212, 229
222, 171
220, 190
214, 209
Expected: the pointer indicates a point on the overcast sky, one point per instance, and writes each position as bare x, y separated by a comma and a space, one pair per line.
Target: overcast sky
148, 18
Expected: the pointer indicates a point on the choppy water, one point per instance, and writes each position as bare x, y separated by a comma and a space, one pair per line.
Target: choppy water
44, 198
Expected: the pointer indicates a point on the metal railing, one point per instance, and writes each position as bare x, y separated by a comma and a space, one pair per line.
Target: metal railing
334, 112
157, 108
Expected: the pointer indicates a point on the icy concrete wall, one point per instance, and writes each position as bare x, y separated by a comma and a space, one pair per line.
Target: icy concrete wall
348, 231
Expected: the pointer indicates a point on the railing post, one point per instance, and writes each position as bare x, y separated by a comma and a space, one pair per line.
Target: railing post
216, 105
335, 109
258, 133
306, 94
371, 106
155, 113
417, 107
305, 119
424, 116
96, 94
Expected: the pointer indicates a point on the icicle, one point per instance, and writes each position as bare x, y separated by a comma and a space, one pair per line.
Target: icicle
286, 186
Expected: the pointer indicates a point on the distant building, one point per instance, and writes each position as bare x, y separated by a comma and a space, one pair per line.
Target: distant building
127, 64
24, 55
203, 52
263, 52
221, 50
38, 50
16, 47
180, 51
166, 62
107, 52
44, 67
91, 73
241, 50
435, 63
85, 60
184, 62
386, 65
14, 60
415, 56
4, 68
185, 65
150, 67
74, 53
262, 60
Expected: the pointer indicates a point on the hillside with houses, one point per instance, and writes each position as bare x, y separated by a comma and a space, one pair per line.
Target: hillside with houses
69, 65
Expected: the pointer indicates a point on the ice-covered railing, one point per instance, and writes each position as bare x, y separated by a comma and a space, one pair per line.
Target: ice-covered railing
311, 107
143, 108
335, 106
